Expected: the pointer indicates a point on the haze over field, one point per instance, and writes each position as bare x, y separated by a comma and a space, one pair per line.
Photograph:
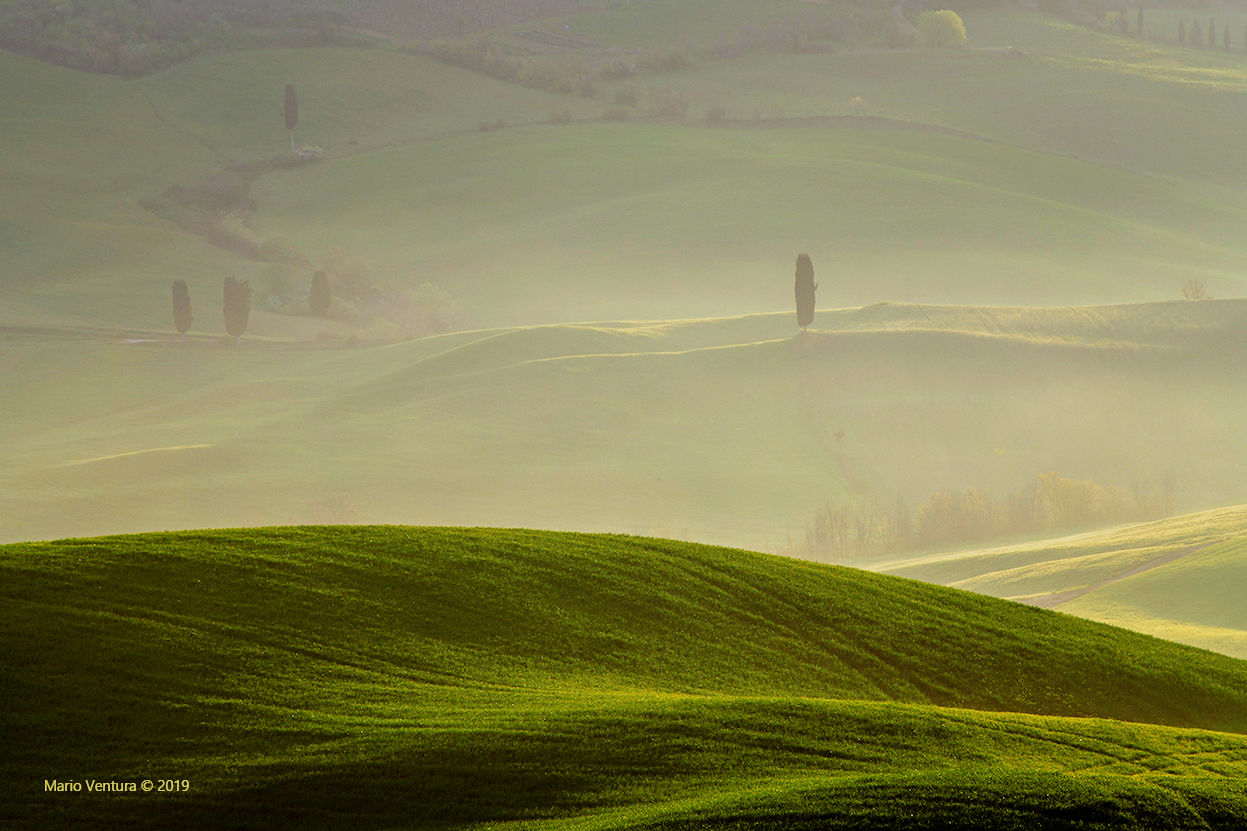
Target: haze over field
536, 266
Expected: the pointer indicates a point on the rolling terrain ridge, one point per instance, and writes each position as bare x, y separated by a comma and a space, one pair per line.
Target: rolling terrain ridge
444, 677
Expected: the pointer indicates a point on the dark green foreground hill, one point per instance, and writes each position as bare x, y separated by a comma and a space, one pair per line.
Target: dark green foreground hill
389, 677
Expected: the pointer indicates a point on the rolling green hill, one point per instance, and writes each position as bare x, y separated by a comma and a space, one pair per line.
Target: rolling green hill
1068, 177
444, 677
1175, 578
719, 430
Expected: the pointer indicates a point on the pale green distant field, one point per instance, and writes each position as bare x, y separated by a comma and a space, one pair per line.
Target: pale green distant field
1197, 599
721, 430
1179, 579
1097, 193
607, 221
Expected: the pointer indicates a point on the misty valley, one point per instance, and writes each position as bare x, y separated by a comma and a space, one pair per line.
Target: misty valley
623, 415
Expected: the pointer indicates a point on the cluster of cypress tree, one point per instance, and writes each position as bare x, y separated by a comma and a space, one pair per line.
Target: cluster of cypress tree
1195, 35
237, 305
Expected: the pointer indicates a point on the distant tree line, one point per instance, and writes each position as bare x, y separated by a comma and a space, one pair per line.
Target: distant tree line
1051, 503
132, 37
1196, 34
344, 290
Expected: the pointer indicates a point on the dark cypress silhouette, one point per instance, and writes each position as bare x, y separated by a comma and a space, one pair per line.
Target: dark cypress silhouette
1212, 33
237, 306
1181, 30
1225, 38
320, 298
181, 307
1138, 21
292, 112
805, 288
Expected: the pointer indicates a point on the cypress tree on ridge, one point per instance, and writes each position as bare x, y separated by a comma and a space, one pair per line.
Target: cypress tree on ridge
181, 307
804, 289
320, 298
292, 112
237, 306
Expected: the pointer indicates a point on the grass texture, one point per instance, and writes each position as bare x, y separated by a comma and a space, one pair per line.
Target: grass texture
416, 678
1067, 177
1172, 578
723, 430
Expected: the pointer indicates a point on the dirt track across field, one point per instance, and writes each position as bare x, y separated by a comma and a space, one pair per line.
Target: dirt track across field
1056, 599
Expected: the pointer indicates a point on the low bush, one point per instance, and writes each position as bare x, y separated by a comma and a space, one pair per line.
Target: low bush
668, 103
1050, 503
942, 28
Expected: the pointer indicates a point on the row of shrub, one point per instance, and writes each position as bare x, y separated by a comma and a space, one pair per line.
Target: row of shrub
356, 297
565, 76
217, 207
810, 32
133, 37
1050, 503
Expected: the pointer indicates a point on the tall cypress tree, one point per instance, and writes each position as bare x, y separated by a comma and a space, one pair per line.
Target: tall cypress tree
1181, 30
1139, 23
1225, 38
237, 306
1212, 33
320, 297
292, 112
805, 288
181, 307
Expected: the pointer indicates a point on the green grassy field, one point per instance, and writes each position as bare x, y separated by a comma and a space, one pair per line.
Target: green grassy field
723, 431
1173, 578
596, 220
443, 678
628, 362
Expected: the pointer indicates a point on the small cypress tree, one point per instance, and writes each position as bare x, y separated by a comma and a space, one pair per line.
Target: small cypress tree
292, 112
1225, 38
237, 306
1181, 30
1212, 33
1138, 22
181, 307
320, 298
805, 288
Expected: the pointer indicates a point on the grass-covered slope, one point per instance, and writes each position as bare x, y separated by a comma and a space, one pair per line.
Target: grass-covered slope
593, 221
723, 431
1175, 578
1193, 599
1093, 191
414, 678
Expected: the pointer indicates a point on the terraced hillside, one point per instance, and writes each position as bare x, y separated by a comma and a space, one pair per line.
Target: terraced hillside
426, 678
